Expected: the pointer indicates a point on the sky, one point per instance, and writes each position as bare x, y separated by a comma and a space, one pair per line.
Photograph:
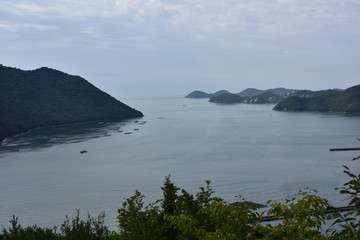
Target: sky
168, 47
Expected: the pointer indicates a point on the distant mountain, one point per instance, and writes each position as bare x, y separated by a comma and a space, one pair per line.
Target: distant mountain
250, 92
343, 101
43, 97
311, 94
228, 98
256, 96
263, 98
198, 94
201, 94
218, 93
281, 91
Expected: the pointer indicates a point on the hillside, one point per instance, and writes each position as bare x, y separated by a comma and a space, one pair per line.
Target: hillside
250, 92
201, 94
310, 94
263, 98
266, 97
281, 91
198, 94
228, 98
45, 96
339, 101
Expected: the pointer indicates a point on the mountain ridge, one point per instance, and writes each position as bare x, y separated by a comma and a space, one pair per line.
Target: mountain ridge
251, 92
347, 101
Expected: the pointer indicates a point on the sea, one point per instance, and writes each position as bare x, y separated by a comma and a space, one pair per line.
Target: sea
247, 152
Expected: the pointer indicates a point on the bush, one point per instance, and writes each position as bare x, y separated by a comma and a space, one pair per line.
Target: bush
181, 215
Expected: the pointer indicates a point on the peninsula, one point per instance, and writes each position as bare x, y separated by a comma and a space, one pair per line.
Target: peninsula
45, 97
341, 101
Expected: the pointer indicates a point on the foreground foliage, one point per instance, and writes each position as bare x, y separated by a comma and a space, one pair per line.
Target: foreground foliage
182, 215
75, 229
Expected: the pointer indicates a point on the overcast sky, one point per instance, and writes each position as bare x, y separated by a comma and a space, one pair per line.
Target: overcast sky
164, 47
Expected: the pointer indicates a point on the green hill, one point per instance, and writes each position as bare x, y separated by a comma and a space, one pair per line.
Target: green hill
198, 94
341, 101
310, 94
201, 94
263, 98
227, 98
43, 97
266, 97
250, 92
281, 91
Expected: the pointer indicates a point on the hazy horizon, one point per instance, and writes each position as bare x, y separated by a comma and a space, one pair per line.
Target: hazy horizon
173, 47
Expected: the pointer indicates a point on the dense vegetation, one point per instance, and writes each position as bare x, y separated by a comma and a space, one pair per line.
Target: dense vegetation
228, 98
263, 98
182, 215
256, 96
200, 94
251, 92
342, 101
45, 96
310, 94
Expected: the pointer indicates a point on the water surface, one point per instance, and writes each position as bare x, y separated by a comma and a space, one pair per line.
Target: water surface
246, 150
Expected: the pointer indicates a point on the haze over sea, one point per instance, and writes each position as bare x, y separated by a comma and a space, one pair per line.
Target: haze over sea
246, 150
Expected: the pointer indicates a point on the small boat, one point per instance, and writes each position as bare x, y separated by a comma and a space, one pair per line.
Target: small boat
83, 151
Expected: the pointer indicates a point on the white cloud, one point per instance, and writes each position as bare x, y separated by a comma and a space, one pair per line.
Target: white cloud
8, 27
126, 6
193, 36
16, 27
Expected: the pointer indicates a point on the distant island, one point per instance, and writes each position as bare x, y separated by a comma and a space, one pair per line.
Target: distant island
201, 94
45, 97
249, 92
263, 98
331, 100
341, 101
256, 96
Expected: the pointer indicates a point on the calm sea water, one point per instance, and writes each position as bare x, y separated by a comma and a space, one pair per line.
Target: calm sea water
246, 150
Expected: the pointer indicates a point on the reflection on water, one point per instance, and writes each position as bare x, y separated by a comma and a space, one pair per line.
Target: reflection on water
65, 134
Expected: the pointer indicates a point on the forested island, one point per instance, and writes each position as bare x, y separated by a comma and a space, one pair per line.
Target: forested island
45, 97
256, 96
331, 100
230, 98
201, 94
343, 101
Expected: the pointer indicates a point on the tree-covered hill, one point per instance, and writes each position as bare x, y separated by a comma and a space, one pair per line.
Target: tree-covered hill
263, 98
342, 101
45, 96
198, 94
201, 94
310, 94
228, 98
266, 97
250, 92
253, 92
